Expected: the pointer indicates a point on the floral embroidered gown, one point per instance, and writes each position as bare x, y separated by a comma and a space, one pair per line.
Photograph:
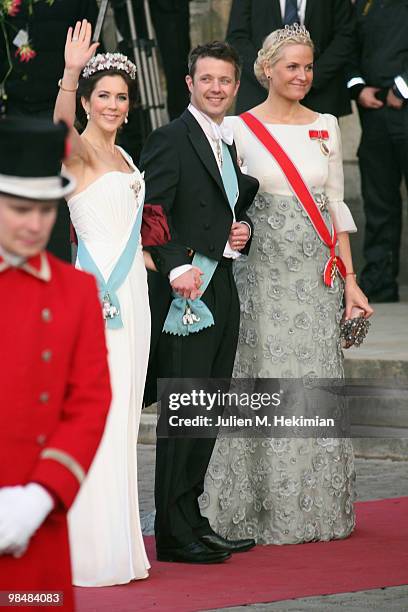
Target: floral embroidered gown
286, 490
104, 526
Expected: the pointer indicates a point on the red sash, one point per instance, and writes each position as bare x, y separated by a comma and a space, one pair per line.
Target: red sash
300, 189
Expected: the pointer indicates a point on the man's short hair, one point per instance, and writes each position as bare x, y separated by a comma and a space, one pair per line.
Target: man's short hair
217, 50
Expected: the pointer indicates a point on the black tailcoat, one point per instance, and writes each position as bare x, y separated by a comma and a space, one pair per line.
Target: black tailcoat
182, 176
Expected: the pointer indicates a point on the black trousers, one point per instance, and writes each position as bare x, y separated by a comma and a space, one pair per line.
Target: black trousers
383, 160
181, 463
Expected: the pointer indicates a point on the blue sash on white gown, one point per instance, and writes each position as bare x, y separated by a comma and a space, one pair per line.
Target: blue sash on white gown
108, 288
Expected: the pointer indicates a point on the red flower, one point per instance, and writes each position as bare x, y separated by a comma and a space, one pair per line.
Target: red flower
26, 53
12, 7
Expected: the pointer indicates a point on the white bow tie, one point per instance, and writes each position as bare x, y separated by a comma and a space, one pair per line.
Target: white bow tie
213, 130
222, 132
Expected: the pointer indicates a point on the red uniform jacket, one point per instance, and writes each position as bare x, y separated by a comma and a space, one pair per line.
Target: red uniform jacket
54, 398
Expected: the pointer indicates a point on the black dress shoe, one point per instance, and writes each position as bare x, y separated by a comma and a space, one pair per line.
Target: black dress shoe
216, 542
196, 552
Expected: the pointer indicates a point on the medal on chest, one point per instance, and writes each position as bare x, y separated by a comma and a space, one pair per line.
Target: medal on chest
321, 136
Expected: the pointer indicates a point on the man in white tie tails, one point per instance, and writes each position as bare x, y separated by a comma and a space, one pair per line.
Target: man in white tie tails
192, 175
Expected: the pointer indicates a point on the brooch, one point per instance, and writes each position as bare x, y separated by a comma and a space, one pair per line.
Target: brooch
321, 136
321, 200
136, 187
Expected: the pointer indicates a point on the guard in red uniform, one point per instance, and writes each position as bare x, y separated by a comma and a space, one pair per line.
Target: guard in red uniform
54, 379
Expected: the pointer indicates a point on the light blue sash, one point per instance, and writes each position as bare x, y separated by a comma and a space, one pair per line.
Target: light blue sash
108, 289
190, 316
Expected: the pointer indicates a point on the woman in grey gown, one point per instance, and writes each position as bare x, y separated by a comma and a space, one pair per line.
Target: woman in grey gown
288, 490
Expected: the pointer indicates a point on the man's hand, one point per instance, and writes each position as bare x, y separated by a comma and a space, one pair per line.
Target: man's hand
187, 285
239, 236
22, 510
393, 101
367, 98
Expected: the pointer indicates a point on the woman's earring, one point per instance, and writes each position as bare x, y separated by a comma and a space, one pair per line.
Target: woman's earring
126, 119
87, 115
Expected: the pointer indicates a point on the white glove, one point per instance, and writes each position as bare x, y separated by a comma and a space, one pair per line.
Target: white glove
22, 510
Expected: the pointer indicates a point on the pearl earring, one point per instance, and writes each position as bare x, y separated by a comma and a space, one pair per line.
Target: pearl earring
126, 119
87, 115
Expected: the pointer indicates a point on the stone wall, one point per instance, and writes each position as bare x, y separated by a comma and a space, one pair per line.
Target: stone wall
209, 20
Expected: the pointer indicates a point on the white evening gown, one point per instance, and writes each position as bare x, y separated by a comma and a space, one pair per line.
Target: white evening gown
104, 526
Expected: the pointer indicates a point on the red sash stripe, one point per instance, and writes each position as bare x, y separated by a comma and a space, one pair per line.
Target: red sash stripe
303, 194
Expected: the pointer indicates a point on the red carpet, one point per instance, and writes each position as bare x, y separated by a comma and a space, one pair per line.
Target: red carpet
375, 556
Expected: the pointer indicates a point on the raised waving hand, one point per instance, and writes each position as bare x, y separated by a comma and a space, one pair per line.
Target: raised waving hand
78, 46
78, 52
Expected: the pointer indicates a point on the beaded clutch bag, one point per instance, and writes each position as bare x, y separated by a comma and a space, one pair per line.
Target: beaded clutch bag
353, 330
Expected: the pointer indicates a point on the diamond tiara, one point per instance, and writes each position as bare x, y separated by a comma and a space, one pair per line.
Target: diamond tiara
109, 61
292, 31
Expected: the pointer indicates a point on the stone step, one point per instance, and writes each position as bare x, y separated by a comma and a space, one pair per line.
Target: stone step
384, 353
147, 429
152, 409
382, 448
378, 403
376, 368
380, 412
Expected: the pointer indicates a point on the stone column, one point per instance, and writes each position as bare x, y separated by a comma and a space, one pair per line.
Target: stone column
209, 19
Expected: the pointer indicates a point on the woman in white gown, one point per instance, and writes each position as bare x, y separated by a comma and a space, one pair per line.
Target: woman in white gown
105, 536
288, 490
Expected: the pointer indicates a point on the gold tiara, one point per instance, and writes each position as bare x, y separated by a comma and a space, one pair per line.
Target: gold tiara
109, 61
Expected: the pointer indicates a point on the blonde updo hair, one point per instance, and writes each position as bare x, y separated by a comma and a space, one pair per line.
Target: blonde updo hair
273, 46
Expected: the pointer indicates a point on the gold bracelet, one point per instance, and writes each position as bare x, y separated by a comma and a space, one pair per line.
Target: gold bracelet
64, 89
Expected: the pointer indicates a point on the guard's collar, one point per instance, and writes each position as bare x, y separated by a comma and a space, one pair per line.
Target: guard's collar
37, 265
